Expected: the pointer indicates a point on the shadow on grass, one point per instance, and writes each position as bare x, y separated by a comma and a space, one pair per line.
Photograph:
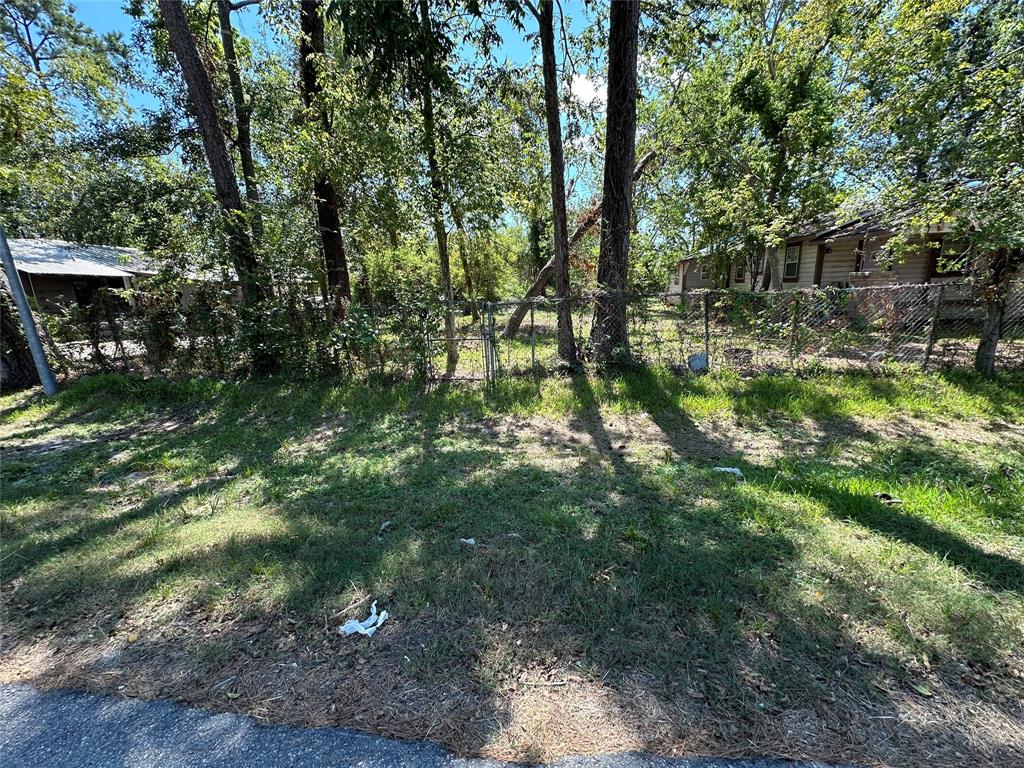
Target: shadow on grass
662, 584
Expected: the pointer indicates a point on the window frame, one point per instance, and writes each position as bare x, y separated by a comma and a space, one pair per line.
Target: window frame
786, 262
740, 274
938, 249
705, 271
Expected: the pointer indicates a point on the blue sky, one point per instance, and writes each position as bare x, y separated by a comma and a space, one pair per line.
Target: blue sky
109, 16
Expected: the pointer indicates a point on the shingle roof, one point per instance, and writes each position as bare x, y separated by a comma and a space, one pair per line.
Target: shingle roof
58, 257
836, 226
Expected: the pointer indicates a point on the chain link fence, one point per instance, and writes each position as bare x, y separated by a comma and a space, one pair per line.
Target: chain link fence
932, 326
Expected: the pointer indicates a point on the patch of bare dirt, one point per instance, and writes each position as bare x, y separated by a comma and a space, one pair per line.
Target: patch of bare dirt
287, 672
565, 441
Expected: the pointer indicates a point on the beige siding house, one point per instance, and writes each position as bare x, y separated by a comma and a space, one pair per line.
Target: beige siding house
844, 254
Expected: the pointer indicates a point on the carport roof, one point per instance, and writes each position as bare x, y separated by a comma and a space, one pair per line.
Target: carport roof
58, 257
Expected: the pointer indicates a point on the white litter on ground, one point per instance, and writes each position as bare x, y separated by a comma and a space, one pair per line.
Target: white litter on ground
367, 626
468, 542
731, 471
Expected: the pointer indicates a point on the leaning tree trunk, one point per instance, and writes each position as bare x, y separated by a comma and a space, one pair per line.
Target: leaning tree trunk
610, 334
590, 219
243, 119
19, 367
225, 185
560, 259
437, 193
328, 216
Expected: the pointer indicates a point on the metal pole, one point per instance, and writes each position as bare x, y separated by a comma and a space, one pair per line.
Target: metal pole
483, 343
707, 330
29, 323
533, 339
793, 328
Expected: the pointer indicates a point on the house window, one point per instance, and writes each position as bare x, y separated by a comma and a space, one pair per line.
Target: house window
791, 269
949, 258
705, 272
741, 272
858, 262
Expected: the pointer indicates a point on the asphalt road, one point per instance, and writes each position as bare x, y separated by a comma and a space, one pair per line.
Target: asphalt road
75, 730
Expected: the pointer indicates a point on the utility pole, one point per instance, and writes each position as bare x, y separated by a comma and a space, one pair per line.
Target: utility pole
27, 321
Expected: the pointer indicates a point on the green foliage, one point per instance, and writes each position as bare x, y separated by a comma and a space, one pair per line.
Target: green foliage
938, 88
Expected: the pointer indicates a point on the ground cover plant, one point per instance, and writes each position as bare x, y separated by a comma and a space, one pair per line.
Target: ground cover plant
858, 597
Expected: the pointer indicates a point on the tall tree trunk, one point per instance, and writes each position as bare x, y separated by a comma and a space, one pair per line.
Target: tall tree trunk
19, 367
586, 222
225, 184
999, 268
464, 258
610, 334
985, 356
772, 268
328, 216
243, 120
566, 341
437, 189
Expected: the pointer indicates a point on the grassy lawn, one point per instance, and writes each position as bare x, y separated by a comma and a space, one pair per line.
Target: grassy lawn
203, 541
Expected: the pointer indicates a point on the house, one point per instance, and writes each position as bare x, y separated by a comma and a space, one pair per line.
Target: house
58, 274
845, 253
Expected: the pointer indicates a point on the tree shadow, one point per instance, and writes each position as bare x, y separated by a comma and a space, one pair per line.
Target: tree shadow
649, 585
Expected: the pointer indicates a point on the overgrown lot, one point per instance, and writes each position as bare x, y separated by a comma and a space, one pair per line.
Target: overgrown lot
203, 541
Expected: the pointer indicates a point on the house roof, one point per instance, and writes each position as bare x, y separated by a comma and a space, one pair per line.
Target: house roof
859, 224
835, 226
58, 257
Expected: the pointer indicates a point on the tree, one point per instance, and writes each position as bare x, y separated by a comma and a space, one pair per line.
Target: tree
750, 97
311, 52
560, 257
425, 76
63, 55
938, 132
610, 334
243, 119
394, 40
225, 184
20, 368
587, 221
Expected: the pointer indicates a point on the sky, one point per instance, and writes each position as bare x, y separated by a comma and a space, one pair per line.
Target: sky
109, 16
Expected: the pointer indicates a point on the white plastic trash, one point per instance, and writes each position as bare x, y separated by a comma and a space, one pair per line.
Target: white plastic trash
367, 626
731, 471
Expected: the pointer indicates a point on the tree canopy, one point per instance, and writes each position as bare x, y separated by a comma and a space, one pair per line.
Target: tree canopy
385, 150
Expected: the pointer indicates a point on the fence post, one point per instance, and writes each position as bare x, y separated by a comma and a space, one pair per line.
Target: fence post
707, 330
933, 331
483, 342
423, 345
533, 339
491, 346
793, 328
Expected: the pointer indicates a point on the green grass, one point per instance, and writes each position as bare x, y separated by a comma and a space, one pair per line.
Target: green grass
266, 500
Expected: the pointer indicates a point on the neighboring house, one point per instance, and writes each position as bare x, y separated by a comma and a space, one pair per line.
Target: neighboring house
59, 274
844, 253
